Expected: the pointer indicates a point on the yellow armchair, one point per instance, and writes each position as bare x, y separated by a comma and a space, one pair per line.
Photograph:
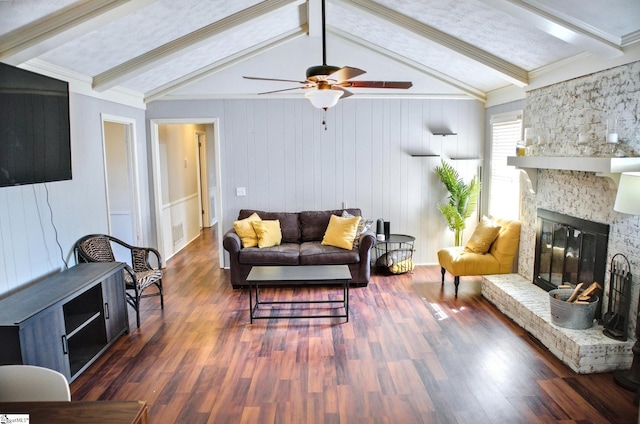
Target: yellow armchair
498, 260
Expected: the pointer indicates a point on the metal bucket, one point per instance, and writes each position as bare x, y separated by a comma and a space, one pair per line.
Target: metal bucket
571, 315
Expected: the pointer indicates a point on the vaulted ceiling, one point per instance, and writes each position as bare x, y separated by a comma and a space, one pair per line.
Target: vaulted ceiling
201, 49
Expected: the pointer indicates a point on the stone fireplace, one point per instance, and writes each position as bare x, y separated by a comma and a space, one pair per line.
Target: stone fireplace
566, 182
560, 195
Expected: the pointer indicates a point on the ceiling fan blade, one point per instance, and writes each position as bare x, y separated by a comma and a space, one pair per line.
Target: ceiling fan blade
288, 89
275, 79
345, 93
377, 84
346, 73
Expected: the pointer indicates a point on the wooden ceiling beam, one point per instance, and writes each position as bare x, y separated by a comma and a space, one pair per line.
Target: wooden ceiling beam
566, 28
468, 90
56, 29
137, 65
222, 64
510, 72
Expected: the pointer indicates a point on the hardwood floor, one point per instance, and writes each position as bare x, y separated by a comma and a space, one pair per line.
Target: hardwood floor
410, 353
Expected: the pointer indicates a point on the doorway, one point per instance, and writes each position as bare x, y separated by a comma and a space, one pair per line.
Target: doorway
121, 179
207, 180
173, 212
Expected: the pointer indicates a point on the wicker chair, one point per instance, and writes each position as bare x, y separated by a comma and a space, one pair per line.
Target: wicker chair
138, 277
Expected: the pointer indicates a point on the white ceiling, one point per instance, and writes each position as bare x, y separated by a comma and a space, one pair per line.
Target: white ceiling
201, 49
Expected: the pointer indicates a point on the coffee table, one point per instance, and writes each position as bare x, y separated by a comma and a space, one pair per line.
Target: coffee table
275, 276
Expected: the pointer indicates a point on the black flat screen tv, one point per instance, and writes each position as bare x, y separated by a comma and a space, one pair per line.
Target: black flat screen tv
35, 142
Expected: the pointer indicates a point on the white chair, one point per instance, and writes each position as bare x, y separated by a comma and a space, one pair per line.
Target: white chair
28, 383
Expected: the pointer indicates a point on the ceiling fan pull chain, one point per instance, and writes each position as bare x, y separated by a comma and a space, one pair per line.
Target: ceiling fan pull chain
324, 117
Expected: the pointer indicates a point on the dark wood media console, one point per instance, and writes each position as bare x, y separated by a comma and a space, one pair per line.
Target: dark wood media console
65, 322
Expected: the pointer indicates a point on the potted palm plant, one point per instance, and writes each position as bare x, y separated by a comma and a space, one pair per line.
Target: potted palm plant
462, 201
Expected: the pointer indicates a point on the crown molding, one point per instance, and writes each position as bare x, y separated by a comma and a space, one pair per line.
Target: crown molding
579, 66
503, 95
631, 38
81, 84
300, 96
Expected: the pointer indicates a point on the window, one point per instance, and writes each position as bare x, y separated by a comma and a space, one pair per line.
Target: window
504, 181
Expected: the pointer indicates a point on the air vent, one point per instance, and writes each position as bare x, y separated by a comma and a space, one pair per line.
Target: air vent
178, 233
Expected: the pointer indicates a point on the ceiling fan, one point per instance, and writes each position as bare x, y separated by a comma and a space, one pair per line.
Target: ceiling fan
328, 83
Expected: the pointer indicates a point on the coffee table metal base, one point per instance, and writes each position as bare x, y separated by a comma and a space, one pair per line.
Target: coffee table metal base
275, 276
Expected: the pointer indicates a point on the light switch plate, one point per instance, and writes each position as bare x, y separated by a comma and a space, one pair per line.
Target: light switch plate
241, 191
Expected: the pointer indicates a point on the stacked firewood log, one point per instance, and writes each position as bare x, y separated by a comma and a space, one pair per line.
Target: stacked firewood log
581, 297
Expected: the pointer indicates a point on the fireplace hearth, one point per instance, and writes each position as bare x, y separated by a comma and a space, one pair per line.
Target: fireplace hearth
569, 250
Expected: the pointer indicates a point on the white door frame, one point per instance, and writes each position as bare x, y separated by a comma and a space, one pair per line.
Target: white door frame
132, 166
157, 189
203, 178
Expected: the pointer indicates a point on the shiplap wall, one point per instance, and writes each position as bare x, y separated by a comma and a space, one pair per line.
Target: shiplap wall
280, 152
28, 242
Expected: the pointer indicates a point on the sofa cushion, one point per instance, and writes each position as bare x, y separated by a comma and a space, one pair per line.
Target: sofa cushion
285, 254
458, 262
268, 232
289, 223
314, 253
314, 223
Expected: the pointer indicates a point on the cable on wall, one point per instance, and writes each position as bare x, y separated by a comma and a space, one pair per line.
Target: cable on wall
55, 230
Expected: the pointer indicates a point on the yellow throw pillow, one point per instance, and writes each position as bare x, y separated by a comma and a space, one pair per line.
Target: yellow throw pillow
268, 231
341, 232
245, 230
484, 234
402, 266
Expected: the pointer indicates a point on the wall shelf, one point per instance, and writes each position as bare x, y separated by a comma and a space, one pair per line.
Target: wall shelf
444, 134
433, 155
610, 167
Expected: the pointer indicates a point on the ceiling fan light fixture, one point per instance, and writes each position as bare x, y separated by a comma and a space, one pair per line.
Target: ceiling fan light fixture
324, 99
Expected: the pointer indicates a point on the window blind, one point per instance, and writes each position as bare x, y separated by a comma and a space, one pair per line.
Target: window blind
504, 190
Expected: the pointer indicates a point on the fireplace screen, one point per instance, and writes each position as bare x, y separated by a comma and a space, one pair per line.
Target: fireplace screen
569, 250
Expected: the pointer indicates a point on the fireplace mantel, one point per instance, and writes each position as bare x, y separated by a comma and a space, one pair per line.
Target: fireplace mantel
602, 166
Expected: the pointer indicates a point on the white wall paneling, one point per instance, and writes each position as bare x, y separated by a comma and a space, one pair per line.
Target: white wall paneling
28, 241
179, 225
280, 152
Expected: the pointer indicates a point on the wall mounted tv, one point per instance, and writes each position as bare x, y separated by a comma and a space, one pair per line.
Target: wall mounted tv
35, 144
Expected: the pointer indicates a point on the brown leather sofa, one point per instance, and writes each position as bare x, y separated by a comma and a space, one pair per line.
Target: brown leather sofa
302, 233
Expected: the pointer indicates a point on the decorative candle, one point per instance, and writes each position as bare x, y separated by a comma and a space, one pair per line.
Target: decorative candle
612, 130
583, 138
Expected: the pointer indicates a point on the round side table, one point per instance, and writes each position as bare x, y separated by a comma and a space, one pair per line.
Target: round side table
397, 249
